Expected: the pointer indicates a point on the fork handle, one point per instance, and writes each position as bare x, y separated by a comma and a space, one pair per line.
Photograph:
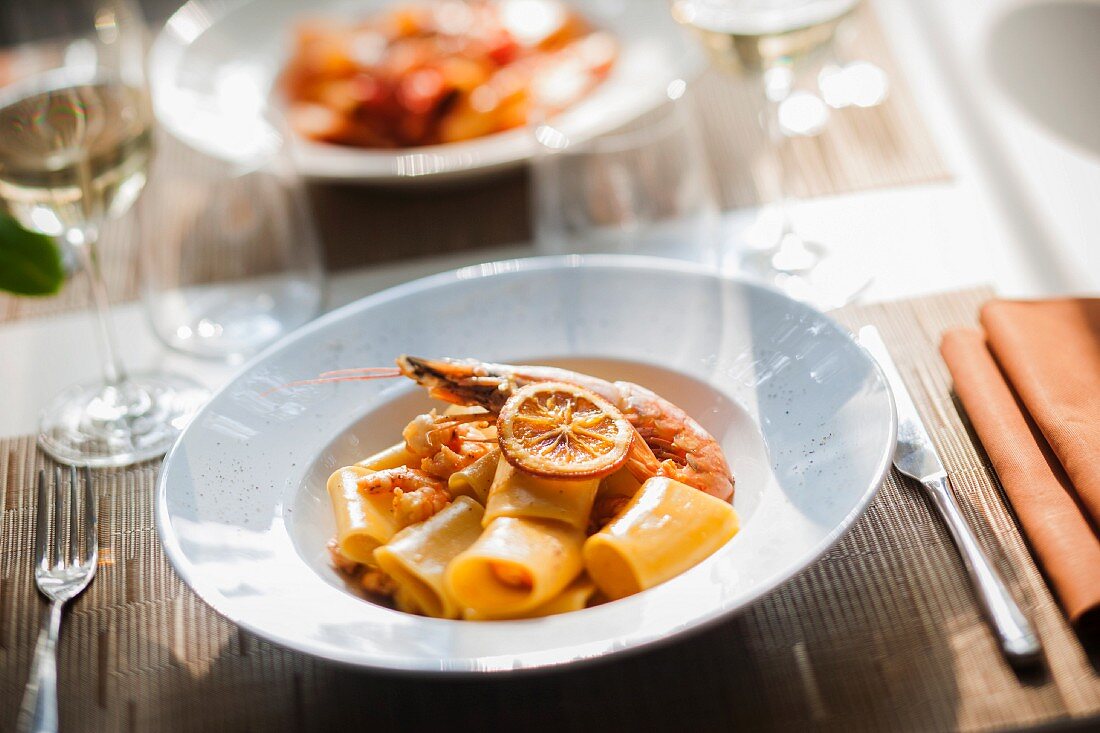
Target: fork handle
1015, 634
38, 713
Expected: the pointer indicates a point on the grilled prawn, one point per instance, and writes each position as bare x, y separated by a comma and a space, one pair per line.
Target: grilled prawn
672, 443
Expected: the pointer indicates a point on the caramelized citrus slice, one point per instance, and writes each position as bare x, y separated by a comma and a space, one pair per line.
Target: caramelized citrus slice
557, 430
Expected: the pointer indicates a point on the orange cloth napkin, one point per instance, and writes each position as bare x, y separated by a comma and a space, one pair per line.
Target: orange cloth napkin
1050, 353
1031, 387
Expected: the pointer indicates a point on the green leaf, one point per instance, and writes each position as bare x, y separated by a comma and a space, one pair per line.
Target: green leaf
30, 263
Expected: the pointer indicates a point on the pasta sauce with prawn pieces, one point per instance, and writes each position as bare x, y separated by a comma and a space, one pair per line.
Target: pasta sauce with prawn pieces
555, 501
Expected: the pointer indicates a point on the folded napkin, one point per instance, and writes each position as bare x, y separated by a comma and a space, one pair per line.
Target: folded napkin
1031, 387
1050, 352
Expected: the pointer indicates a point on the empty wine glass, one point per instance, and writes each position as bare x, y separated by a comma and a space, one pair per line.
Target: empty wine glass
232, 261
644, 188
774, 39
76, 134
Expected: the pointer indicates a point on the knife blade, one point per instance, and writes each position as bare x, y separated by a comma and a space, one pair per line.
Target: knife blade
915, 456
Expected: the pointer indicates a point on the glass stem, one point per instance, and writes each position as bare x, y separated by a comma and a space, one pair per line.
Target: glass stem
83, 241
789, 253
775, 86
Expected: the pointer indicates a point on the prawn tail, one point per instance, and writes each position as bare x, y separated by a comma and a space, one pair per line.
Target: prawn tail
644, 462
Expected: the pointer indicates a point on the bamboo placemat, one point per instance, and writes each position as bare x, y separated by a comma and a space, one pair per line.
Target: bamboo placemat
861, 149
882, 633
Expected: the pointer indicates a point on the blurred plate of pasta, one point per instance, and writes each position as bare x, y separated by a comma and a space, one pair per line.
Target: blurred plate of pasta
802, 414
363, 107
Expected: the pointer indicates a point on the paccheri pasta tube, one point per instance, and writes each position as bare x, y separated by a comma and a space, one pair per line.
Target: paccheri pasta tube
621, 483
516, 565
574, 597
392, 457
476, 479
664, 530
518, 494
363, 520
417, 557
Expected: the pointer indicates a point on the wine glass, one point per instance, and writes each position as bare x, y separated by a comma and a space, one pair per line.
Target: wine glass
233, 261
774, 40
643, 188
76, 133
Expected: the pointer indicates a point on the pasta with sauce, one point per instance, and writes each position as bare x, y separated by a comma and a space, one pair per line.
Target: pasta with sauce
549, 504
440, 71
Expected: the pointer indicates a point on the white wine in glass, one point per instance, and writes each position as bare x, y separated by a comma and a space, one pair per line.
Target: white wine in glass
75, 147
756, 35
74, 155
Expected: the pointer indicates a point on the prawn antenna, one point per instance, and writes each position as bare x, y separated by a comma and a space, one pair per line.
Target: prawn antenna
363, 374
377, 372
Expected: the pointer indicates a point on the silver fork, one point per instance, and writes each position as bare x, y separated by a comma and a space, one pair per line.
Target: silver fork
61, 572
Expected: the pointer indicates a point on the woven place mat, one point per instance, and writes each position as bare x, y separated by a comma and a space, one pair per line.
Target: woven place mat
860, 149
882, 633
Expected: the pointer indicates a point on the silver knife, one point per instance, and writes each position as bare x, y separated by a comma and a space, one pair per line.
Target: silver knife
916, 457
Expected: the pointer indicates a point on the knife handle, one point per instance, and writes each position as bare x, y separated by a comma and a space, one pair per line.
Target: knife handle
1014, 631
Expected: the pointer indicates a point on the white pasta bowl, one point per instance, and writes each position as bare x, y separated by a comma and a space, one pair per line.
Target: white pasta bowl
803, 414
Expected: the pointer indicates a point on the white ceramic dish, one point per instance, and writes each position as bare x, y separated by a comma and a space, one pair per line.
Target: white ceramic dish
214, 64
803, 413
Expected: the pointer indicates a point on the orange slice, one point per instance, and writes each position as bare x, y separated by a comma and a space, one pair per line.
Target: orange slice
556, 430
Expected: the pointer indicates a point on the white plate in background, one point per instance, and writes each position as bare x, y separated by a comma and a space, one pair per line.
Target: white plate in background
215, 62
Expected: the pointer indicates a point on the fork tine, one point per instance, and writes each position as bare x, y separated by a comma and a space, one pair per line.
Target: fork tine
58, 519
91, 509
74, 506
42, 531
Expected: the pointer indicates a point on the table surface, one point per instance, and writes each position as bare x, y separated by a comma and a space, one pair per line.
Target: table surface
882, 633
